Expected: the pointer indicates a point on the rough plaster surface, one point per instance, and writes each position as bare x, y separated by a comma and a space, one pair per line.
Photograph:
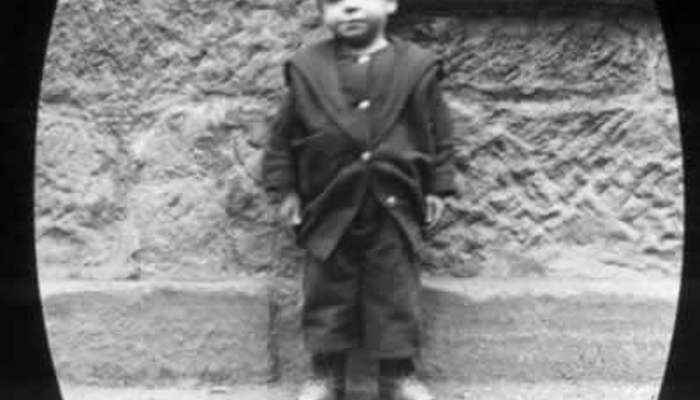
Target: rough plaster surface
153, 114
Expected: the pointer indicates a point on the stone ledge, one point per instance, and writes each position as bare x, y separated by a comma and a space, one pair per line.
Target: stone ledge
477, 330
483, 288
158, 332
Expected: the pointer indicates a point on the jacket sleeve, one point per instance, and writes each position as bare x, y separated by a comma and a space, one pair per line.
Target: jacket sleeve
278, 163
439, 123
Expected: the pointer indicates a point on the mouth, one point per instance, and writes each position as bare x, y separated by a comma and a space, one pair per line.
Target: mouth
353, 25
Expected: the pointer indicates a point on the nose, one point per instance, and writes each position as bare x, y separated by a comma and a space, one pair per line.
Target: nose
350, 8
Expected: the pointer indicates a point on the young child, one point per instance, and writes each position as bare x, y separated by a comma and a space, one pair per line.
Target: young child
359, 156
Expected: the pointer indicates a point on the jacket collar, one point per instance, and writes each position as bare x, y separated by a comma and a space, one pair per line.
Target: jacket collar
389, 90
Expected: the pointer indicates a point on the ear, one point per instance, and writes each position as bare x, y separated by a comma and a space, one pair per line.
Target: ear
391, 6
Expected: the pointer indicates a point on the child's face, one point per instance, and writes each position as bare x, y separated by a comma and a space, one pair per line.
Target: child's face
357, 21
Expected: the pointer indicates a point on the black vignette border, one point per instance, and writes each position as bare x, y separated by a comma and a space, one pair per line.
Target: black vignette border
680, 30
26, 367
26, 370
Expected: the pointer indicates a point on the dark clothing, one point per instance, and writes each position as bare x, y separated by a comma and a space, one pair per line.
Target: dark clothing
354, 76
396, 143
366, 293
362, 143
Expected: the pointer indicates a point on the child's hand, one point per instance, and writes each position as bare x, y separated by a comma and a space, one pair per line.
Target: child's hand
290, 209
435, 207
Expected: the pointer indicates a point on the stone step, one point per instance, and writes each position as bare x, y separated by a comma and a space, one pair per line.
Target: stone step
450, 390
247, 331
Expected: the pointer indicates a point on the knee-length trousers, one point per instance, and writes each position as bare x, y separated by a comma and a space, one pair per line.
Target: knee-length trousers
366, 294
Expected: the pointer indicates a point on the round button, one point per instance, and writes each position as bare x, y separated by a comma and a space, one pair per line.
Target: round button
391, 201
363, 105
366, 156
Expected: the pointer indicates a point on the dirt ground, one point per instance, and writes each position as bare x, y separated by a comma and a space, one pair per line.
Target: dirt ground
444, 391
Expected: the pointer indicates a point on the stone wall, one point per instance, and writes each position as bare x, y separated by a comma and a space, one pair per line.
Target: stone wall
153, 114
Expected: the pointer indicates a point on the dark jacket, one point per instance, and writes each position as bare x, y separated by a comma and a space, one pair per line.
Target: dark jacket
398, 148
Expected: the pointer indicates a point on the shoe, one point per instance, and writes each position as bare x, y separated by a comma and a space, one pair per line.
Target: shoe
403, 388
320, 389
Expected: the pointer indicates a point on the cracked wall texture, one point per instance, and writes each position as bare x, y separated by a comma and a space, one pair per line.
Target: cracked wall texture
153, 114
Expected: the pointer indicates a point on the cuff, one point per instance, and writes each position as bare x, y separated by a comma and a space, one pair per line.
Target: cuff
443, 184
278, 193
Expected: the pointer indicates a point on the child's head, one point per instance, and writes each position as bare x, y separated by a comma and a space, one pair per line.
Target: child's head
356, 21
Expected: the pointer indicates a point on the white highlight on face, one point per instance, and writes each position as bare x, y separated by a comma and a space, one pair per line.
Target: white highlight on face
359, 20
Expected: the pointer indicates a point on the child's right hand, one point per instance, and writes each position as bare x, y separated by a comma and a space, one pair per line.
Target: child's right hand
290, 209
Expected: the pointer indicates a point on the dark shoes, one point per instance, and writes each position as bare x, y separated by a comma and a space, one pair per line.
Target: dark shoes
328, 381
397, 380
403, 388
321, 389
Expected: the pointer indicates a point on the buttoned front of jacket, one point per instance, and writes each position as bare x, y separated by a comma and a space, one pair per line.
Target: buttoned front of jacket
334, 164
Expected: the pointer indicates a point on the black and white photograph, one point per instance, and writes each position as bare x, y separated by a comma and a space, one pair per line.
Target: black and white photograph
358, 199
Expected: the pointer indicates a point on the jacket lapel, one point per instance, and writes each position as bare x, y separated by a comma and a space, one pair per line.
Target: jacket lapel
393, 83
395, 78
317, 66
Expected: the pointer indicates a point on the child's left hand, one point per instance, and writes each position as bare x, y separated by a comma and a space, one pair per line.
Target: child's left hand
435, 206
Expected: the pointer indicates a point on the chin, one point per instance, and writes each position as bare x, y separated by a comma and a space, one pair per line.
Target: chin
357, 39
